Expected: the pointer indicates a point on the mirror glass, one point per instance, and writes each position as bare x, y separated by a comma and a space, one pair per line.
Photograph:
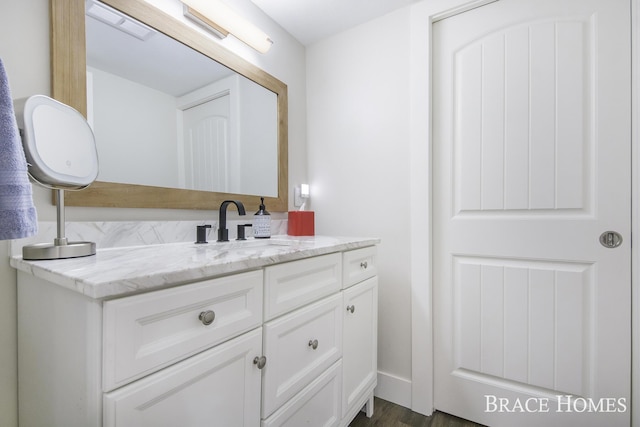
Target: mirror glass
172, 169
166, 115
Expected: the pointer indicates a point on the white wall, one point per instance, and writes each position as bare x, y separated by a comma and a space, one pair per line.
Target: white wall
358, 146
24, 49
25, 55
133, 124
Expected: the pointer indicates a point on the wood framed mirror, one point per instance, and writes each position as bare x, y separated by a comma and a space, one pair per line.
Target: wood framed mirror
69, 85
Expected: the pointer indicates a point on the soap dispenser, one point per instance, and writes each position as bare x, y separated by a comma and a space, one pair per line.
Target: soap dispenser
262, 222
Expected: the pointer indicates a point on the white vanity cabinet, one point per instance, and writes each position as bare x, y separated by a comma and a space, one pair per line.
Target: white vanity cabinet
360, 337
322, 367
177, 356
284, 344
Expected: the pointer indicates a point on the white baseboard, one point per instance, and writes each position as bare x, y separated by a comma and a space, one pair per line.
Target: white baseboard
394, 389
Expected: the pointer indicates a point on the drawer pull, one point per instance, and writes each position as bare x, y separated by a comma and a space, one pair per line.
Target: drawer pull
207, 317
364, 265
351, 308
313, 344
260, 362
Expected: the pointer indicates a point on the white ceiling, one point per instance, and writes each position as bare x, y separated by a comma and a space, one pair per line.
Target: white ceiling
312, 20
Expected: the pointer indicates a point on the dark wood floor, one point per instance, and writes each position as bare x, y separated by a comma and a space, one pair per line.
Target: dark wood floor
387, 414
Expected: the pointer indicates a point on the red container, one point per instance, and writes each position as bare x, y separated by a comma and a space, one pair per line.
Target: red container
301, 223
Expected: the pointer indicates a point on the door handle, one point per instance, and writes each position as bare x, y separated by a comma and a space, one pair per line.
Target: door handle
260, 361
610, 239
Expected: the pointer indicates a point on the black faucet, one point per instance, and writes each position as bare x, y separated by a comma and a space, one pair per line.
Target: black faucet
223, 233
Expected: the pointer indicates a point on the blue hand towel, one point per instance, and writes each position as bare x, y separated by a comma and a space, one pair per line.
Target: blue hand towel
18, 217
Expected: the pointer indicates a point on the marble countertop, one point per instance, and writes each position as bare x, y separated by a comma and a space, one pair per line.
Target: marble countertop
121, 271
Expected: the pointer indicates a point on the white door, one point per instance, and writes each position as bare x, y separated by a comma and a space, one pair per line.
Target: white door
207, 145
531, 164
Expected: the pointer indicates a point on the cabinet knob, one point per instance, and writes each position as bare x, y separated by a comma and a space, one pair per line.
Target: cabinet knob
207, 317
351, 308
313, 344
364, 264
260, 361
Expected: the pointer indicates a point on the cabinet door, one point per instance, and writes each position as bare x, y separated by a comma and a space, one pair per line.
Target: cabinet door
360, 360
220, 386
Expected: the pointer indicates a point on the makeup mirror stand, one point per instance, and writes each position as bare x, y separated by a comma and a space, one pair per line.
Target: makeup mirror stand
64, 157
61, 247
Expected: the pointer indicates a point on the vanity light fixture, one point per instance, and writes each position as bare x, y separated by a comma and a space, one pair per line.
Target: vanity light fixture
118, 20
221, 20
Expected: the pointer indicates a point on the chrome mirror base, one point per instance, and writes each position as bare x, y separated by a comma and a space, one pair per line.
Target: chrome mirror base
42, 251
60, 248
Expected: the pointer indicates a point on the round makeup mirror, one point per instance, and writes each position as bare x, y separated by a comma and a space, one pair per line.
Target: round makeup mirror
61, 154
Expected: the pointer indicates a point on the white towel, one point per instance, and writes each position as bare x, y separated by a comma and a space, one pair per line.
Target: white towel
18, 217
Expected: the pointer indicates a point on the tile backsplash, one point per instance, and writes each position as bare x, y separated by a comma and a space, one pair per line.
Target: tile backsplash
111, 234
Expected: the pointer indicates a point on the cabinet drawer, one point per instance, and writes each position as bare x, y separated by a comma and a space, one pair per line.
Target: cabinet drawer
220, 386
294, 284
358, 265
145, 332
317, 405
292, 360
